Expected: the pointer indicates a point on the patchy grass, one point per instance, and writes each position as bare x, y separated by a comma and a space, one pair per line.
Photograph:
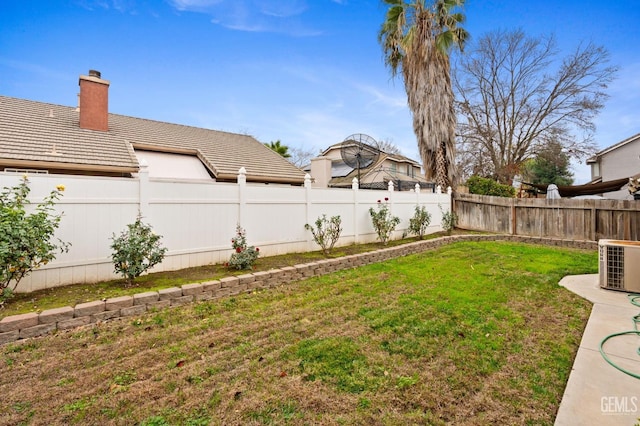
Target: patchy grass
472, 333
71, 295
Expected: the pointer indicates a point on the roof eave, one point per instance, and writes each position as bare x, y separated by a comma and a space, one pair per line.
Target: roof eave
614, 147
33, 164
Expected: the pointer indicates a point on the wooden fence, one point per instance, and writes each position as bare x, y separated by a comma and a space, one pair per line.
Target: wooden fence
582, 219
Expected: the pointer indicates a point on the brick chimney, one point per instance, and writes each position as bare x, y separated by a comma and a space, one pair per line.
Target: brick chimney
94, 102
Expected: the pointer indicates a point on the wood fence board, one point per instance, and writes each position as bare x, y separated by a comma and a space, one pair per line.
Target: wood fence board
583, 219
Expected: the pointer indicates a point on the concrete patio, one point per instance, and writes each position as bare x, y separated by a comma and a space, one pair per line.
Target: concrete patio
597, 393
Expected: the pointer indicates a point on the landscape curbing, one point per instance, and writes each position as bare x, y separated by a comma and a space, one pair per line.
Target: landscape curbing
23, 326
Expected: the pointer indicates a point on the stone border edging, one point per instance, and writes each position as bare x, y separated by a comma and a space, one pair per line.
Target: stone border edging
24, 326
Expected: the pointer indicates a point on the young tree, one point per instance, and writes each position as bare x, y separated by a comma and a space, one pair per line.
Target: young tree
513, 102
550, 165
277, 146
416, 37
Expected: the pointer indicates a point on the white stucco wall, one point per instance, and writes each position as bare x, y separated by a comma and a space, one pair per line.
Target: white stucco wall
621, 162
173, 166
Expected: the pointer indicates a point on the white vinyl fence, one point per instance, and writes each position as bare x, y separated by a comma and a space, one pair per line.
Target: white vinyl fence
197, 219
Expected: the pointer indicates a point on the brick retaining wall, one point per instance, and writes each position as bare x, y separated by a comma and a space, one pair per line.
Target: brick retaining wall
24, 326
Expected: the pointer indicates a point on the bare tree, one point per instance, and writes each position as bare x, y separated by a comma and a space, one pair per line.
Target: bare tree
300, 157
387, 145
514, 96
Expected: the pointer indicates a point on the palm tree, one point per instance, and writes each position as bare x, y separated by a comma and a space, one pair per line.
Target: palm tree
416, 38
280, 149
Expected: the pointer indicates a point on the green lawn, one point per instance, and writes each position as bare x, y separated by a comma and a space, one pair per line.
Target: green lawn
471, 333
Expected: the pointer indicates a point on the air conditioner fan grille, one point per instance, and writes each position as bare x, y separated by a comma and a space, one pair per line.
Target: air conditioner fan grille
615, 267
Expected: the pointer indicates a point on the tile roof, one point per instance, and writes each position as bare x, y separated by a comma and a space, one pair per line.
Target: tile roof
48, 133
396, 157
378, 173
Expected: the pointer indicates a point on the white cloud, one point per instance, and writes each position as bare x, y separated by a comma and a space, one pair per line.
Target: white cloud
194, 5
281, 8
122, 6
35, 69
380, 98
281, 16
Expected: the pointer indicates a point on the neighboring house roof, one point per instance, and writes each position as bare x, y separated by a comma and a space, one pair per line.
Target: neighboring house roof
395, 157
620, 144
36, 134
376, 174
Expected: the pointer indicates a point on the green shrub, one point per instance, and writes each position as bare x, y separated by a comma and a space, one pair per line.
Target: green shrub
483, 186
383, 222
326, 233
420, 221
136, 250
449, 220
26, 239
243, 256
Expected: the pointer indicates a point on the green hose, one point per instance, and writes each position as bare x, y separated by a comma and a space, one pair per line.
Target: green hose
606, 358
635, 300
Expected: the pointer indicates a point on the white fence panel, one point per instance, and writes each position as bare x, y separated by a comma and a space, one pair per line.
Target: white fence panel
332, 202
197, 219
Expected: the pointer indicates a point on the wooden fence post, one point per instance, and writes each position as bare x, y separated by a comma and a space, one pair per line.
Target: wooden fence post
514, 217
594, 222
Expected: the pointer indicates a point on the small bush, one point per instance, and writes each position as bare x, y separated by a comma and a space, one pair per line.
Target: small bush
420, 221
243, 256
449, 220
383, 222
483, 186
326, 233
136, 250
26, 239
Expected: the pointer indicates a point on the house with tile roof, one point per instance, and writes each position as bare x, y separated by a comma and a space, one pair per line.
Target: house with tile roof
330, 170
38, 137
621, 160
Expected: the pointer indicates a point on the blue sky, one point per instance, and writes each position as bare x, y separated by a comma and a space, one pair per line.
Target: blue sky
306, 72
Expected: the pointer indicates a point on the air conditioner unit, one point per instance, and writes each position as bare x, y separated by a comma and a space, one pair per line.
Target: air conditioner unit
619, 265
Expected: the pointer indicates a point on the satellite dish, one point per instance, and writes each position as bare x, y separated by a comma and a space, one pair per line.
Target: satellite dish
359, 151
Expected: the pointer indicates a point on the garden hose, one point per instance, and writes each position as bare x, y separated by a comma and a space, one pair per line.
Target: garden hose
635, 300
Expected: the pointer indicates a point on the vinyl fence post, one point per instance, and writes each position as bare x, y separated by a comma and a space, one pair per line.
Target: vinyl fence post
143, 194
242, 202
308, 203
354, 187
